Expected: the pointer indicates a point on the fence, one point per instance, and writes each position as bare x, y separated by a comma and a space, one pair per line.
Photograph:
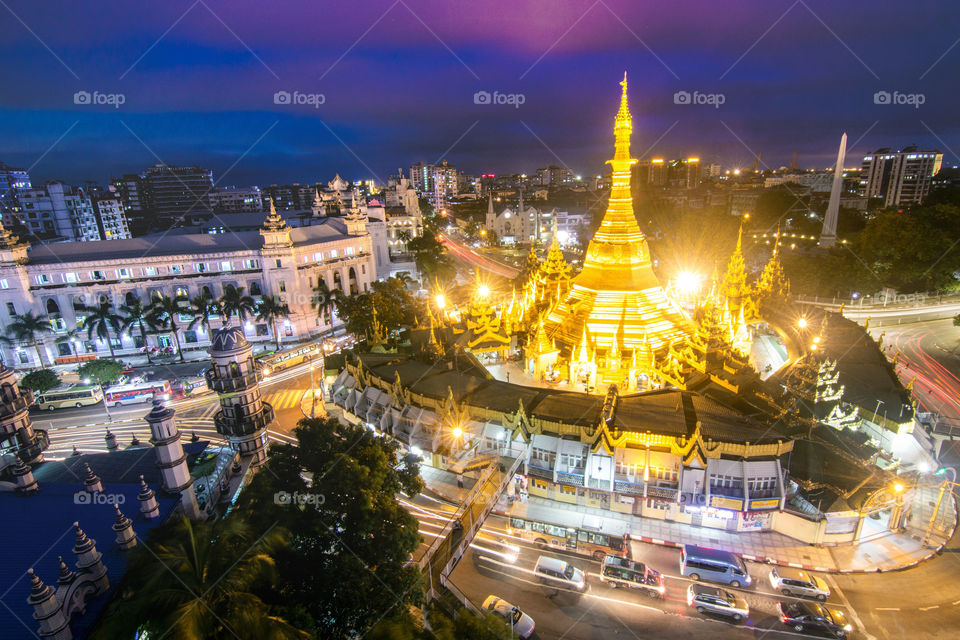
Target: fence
443, 555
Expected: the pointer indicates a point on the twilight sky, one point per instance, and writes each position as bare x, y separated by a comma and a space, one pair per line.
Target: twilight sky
198, 80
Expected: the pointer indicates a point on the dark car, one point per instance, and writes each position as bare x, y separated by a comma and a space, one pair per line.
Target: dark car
809, 616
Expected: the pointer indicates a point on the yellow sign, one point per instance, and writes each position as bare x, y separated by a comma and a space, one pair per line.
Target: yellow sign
765, 504
726, 503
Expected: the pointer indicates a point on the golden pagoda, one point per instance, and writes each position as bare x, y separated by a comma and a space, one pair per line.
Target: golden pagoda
616, 301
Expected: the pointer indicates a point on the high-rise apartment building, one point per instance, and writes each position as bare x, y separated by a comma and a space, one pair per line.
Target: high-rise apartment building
12, 181
59, 212
436, 182
899, 177
177, 192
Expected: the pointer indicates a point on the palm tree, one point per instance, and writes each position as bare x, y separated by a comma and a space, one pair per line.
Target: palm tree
234, 302
69, 338
101, 320
324, 300
28, 328
198, 581
270, 310
202, 307
164, 311
135, 313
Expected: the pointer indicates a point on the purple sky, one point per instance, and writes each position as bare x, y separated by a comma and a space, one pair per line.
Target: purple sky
398, 80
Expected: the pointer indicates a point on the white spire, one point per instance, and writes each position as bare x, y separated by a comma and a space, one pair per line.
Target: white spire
828, 237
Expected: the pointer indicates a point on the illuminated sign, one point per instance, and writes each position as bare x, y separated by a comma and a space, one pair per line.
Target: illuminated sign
726, 503
771, 503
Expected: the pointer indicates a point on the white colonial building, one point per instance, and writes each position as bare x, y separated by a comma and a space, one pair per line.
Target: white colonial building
523, 224
58, 280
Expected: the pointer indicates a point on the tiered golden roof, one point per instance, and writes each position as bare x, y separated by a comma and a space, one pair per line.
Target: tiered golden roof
616, 300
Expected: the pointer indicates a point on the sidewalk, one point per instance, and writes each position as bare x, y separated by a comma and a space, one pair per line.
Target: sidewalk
887, 552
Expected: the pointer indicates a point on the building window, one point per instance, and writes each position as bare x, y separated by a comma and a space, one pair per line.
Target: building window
176, 268
200, 267
4, 284
349, 251
180, 292
149, 271
363, 268
225, 266
282, 285
279, 263
97, 275
567, 490
43, 279
123, 272
189, 336
333, 253
12, 310
68, 277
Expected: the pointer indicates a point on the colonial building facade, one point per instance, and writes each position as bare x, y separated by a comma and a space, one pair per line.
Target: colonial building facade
58, 281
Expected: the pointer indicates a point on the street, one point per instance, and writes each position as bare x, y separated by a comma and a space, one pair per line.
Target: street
86, 427
923, 602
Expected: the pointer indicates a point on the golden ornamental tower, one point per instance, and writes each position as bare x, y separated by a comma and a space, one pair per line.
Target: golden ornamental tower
616, 298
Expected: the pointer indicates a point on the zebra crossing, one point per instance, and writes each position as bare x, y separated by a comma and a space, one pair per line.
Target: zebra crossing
284, 399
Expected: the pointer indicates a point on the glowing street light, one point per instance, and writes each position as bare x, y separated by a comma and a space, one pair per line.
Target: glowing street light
483, 291
802, 323
441, 301
897, 487
688, 282
457, 432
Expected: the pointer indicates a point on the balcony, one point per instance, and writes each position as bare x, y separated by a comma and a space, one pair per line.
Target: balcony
628, 484
566, 477
727, 492
231, 384
243, 425
664, 493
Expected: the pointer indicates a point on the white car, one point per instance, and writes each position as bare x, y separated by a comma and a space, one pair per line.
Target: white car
521, 623
791, 582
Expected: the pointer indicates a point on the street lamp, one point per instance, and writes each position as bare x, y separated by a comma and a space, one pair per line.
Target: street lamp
802, 322
441, 301
483, 291
106, 406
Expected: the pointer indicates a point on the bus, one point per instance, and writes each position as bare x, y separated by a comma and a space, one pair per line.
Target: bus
621, 572
286, 359
135, 393
77, 395
587, 539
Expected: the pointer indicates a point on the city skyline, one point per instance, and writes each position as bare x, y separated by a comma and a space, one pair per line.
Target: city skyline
403, 82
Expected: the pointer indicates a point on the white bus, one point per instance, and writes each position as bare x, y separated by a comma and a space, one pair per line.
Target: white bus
135, 393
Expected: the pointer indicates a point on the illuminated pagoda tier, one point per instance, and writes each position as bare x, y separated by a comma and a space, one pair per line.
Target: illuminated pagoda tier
554, 274
616, 303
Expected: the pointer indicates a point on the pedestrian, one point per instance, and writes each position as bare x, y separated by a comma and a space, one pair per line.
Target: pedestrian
460, 480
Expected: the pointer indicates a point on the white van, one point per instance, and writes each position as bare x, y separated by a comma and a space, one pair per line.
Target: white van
560, 573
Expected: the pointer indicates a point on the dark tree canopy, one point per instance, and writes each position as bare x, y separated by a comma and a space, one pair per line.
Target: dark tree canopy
337, 491
40, 380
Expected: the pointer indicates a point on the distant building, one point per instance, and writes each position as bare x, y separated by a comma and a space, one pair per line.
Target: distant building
554, 176
816, 181
178, 192
111, 219
236, 200
523, 224
899, 177
12, 181
130, 189
59, 212
436, 182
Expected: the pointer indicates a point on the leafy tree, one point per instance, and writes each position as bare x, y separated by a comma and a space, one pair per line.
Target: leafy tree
396, 307
430, 255
200, 581
324, 301
234, 302
201, 308
28, 328
101, 371
102, 320
40, 380
353, 539
956, 320
134, 313
464, 625
165, 312
271, 310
